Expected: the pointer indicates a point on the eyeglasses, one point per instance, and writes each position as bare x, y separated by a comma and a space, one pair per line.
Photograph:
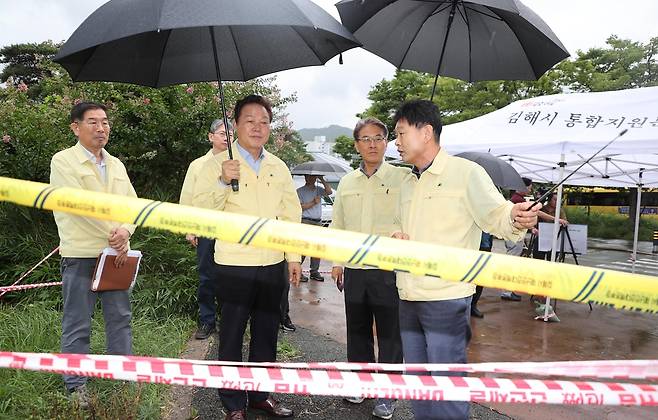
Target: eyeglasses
372, 139
223, 133
94, 123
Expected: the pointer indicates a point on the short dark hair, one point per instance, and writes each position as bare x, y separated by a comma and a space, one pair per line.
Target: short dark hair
370, 121
252, 99
79, 109
419, 112
526, 181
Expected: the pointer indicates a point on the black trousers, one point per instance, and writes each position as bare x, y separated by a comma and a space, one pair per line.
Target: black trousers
285, 303
371, 295
248, 294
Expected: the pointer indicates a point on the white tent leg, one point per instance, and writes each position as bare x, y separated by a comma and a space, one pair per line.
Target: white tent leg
556, 230
636, 231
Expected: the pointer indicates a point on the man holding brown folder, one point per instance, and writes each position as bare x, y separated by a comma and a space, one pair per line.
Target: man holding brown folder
88, 166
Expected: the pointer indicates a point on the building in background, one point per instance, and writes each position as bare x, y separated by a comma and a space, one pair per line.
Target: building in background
320, 145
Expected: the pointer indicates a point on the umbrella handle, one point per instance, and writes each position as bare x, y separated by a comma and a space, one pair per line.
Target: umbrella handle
234, 185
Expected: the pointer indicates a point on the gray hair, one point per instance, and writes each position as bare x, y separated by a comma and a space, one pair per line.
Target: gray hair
370, 121
217, 124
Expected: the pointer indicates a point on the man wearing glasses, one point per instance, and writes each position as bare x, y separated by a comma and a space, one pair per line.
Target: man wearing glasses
367, 200
205, 247
88, 166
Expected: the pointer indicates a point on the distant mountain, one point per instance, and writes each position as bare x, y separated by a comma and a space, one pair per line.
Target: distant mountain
331, 132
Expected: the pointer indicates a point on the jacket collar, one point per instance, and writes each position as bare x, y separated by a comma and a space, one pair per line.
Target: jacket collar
439, 163
84, 155
379, 173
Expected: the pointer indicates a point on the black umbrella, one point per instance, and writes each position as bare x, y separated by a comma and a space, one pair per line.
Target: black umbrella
166, 42
501, 173
469, 40
321, 168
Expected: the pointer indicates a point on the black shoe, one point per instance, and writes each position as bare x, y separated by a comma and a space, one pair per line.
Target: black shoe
510, 296
316, 277
204, 331
287, 325
476, 312
303, 278
272, 407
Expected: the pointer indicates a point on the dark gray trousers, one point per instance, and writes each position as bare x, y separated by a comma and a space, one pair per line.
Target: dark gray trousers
79, 304
436, 332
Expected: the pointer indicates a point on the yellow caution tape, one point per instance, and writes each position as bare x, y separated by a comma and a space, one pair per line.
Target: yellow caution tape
561, 281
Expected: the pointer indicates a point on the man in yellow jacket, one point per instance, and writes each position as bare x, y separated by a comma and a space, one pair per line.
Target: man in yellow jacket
207, 297
450, 201
87, 165
367, 200
250, 280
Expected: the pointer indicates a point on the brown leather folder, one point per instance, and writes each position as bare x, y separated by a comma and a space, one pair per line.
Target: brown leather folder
108, 277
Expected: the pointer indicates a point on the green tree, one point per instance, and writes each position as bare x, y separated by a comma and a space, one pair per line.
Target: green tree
622, 64
287, 144
156, 132
344, 146
457, 100
24, 64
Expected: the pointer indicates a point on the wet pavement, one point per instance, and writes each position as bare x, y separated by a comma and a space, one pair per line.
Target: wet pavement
509, 332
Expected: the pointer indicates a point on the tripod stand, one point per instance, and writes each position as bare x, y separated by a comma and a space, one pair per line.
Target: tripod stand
563, 236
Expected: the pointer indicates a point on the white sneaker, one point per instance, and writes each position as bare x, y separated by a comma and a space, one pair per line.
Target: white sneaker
354, 400
384, 409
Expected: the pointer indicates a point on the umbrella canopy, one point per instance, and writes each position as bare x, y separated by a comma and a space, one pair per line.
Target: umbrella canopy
469, 40
321, 168
165, 42
501, 173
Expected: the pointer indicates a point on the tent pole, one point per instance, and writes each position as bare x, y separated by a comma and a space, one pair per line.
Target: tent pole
636, 231
556, 230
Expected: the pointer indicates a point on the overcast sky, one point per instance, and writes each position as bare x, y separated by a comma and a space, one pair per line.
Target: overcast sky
334, 93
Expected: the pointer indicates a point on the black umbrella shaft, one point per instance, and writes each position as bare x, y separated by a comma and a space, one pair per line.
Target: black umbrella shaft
443, 48
234, 182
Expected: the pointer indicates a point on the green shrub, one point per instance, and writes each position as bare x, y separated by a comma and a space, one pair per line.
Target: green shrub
30, 235
611, 226
155, 132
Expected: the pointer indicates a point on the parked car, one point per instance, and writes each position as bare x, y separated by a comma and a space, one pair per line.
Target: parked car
327, 209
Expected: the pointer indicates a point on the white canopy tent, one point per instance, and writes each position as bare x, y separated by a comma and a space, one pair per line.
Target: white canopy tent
533, 134
546, 138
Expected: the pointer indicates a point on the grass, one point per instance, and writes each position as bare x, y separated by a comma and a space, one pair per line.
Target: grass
285, 351
34, 395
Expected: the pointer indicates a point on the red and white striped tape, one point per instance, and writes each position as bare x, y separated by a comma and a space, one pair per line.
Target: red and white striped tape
28, 272
6, 289
608, 369
335, 382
